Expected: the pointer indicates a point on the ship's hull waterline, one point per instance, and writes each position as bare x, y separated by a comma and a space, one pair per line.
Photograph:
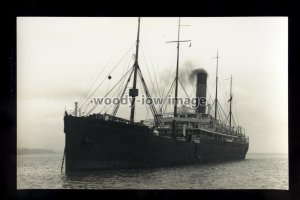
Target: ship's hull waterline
99, 144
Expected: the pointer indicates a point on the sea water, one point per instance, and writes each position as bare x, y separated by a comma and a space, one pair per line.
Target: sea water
257, 171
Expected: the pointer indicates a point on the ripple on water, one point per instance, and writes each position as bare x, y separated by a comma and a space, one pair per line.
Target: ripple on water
257, 171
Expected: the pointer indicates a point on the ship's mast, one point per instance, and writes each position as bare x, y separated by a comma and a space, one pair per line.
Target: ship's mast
216, 98
176, 78
134, 92
230, 112
177, 65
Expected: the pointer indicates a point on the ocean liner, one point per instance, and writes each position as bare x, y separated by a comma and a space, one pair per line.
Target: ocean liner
186, 136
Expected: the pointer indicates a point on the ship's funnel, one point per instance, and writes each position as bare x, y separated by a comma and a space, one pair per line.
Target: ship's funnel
201, 90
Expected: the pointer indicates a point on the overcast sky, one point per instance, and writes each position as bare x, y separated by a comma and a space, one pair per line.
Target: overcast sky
57, 58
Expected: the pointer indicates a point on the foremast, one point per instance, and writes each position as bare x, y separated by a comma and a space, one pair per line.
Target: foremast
176, 78
133, 92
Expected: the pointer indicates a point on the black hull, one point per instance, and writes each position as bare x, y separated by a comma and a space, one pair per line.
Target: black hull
100, 144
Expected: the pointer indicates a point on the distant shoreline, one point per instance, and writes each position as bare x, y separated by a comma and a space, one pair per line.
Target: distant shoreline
265, 153
25, 151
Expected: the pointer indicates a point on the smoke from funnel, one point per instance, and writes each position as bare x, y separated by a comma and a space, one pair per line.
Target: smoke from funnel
186, 71
194, 73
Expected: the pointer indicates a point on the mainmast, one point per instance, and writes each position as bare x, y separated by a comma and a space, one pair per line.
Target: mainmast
177, 65
176, 78
133, 92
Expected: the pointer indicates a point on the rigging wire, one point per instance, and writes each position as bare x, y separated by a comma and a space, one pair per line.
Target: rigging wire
104, 108
171, 91
154, 71
120, 87
167, 95
97, 77
223, 112
117, 91
193, 91
189, 75
169, 77
236, 113
139, 86
87, 105
221, 97
169, 82
155, 76
97, 74
147, 112
157, 118
145, 104
235, 124
153, 88
122, 84
111, 89
105, 77
123, 92
166, 85
105, 105
107, 89
183, 88
210, 95
224, 93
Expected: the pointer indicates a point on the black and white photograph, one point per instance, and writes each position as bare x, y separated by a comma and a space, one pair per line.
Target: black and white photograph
152, 103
